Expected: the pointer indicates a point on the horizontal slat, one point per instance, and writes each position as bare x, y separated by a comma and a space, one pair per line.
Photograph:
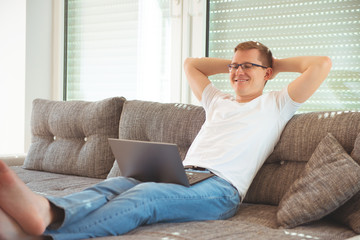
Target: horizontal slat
107, 41
295, 28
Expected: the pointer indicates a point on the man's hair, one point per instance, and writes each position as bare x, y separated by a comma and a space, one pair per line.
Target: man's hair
265, 53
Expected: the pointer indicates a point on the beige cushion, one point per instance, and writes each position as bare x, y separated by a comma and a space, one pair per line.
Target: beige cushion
72, 137
160, 122
331, 177
349, 213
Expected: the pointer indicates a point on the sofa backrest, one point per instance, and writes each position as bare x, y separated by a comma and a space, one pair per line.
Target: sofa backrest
297, 143
71, 137
161, 122
304, 132
180, 123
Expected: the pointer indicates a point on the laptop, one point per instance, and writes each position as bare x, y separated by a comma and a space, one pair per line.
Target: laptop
153, 162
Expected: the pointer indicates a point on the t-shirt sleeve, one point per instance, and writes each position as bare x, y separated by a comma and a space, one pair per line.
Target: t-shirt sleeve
209, 95
287, 106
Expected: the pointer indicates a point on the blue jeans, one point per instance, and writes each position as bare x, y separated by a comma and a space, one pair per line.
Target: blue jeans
118, 205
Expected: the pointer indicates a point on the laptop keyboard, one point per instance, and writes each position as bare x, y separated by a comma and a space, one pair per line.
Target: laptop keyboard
191, 176
194, 177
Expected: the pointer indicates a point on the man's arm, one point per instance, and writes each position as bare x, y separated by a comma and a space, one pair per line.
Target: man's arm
313, 71
199, 69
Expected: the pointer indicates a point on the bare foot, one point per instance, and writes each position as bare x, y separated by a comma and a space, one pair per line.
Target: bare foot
10, 230
31, 211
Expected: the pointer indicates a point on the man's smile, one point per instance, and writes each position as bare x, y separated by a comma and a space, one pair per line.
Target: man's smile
241, 80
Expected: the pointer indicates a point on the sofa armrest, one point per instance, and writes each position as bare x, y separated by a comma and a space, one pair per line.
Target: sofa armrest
13, 159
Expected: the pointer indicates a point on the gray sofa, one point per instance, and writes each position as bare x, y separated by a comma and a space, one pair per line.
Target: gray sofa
309, 187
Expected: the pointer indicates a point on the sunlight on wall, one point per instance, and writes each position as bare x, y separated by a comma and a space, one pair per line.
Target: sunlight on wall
12, 80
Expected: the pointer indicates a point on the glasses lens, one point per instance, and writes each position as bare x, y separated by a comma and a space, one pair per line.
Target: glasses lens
247, 66
232, 67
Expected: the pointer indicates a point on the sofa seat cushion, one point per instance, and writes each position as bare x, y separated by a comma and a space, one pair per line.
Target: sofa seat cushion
72, 137
160, 122
331, 177
53, 184
253, 221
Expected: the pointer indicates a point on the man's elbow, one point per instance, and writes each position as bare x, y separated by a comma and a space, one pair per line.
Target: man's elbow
322, 67
326, 64
188, 63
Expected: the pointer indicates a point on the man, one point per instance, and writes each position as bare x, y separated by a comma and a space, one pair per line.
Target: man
238, 135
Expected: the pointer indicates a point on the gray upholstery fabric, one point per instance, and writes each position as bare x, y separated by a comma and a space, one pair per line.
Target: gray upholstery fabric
71, 137
355, 154
349, 213
252, 222
160, 122
53, 184
179, 124
296, 145
331, 177
272, 182
305, 131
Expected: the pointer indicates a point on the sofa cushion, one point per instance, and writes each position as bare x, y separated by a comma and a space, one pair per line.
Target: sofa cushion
355, 154
272, 181
297, 143
349, 213
331, 177
160, 122
72, 137
53, 184
305, 131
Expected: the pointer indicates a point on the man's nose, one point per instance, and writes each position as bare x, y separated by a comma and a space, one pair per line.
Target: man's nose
239, 70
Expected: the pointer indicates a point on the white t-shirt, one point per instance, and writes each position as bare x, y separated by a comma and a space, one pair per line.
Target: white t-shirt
237, 138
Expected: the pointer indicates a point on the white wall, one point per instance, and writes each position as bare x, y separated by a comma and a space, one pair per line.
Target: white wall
38, 73
25, 67
12, 75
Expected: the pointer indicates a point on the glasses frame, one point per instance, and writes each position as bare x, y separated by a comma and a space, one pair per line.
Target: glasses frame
235, 66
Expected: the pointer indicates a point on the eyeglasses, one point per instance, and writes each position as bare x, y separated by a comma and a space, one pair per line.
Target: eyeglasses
245, 66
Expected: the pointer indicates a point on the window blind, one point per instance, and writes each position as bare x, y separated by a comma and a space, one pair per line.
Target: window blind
294, 28
117, 48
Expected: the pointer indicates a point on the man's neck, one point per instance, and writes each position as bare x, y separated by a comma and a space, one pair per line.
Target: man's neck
245, 99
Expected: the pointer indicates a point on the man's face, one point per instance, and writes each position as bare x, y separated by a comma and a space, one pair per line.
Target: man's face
248, 84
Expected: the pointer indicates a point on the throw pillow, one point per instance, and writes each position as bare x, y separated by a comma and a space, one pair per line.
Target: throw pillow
349, 213
331, 177
355, 154
72, 137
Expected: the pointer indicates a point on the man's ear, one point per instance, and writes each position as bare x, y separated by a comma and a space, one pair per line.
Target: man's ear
268, 74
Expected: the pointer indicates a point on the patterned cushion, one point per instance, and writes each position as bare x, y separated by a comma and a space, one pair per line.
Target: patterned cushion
355, 154
331, 177
160, 122
349, 213
72, 137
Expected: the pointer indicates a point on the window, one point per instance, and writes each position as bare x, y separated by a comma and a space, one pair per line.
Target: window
293, 28
119, 48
